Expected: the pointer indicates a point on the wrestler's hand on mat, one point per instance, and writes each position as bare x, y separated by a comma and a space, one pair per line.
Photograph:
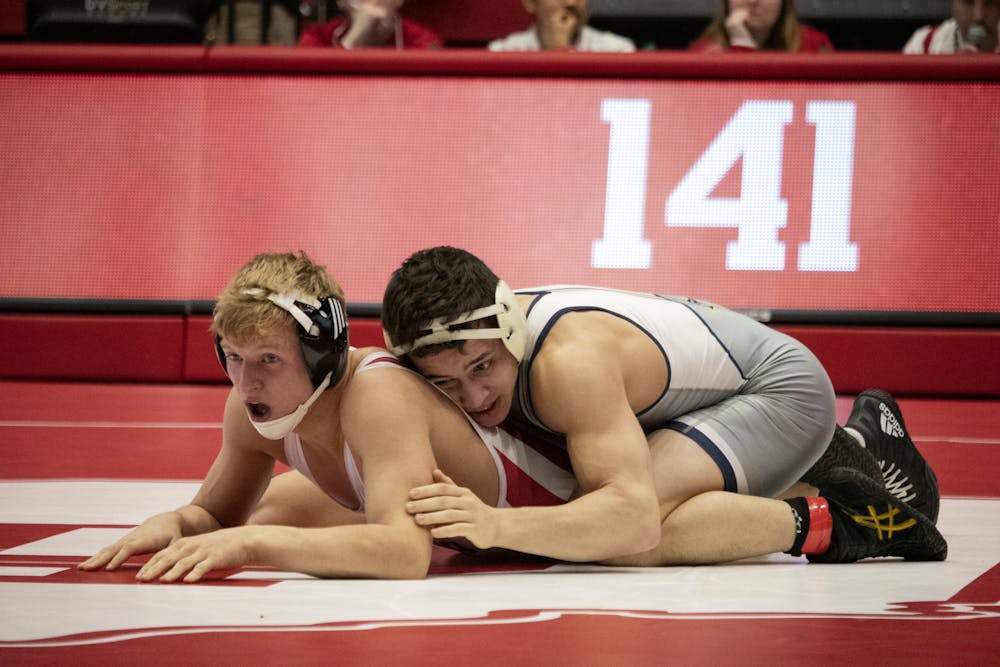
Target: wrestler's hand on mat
191, 558
154, 534
450, 511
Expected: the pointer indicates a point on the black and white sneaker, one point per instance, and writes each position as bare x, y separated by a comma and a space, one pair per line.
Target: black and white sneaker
844, 451
878, 420
870, 522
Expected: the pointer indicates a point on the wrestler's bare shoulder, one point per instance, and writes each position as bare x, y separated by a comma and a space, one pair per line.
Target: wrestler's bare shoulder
387, 379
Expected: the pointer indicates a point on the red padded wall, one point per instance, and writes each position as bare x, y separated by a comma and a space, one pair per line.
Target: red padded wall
961, 362
149, 348
201, 364
91, 347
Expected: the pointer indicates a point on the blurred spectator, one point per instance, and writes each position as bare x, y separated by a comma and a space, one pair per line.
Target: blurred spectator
367, 24
253, 23
561, 25
766, 25
972, 28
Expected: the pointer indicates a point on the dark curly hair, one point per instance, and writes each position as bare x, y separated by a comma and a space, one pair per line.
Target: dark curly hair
431, 283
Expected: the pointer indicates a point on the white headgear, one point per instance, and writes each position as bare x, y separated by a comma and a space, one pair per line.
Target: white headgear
512, 326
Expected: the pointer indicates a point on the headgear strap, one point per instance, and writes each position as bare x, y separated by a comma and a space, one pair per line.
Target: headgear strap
287, 301
512, 326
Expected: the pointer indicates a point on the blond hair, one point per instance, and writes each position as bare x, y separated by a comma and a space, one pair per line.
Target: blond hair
242, 312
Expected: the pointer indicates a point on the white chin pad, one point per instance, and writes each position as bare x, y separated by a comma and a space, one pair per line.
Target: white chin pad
512, 327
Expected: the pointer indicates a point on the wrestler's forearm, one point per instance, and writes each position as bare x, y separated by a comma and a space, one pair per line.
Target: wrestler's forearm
360, 551
602, 524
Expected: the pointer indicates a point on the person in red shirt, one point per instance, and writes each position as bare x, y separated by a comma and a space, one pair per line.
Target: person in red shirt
753, 25
370, 24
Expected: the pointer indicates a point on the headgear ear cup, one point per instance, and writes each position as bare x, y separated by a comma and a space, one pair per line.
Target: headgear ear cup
325, 349
511, 318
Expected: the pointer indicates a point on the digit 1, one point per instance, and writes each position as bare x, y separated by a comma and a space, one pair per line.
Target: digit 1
622, 246
829, 247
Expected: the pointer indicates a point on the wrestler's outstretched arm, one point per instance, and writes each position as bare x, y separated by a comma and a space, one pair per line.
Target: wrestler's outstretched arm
234, 483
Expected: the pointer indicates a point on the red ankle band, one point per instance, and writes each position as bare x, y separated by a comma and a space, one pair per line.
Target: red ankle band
820, 527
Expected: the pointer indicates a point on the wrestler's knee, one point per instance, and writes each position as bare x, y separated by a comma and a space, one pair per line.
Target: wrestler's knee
284, 502
268, 512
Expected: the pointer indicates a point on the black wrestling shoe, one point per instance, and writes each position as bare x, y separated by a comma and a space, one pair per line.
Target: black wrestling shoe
844, 451
907, 475
871, 522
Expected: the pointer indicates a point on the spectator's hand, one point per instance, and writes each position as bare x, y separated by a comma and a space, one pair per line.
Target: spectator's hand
739, 31
194, 557
366, 11
558, 28
154, 534
453, 511
366, 18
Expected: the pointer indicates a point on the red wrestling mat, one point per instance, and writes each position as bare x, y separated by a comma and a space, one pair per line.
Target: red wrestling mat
84, 462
